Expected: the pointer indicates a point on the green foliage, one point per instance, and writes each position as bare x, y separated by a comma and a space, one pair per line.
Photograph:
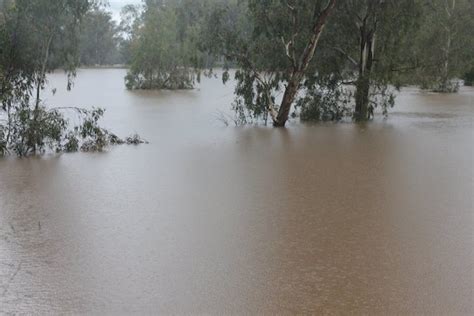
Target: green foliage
252, 97
135, 139
381, 96
377, 46
368, 45
444, 44
129, 26
35, 131
38, 131
270, 42
99, 39
37, 36
327, 100
163, 44
469, 77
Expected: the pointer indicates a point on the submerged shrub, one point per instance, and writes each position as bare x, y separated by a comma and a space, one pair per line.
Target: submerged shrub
36, 131
135, 139
328, 99
115, 140
450, 86
71, 143
324, 106
177, 79
325, 100
381, 96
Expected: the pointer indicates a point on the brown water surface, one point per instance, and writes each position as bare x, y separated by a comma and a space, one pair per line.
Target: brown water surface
327, 219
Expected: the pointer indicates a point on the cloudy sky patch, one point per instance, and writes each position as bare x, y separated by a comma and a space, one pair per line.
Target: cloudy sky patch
117, 5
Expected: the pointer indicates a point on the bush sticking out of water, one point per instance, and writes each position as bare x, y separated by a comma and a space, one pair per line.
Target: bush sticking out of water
450, 86
179, 79
330, 100
381, 96
327, 101
135, 139
31, 132
115, 140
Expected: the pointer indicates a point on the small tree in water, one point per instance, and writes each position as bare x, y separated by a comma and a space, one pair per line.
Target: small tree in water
35, 38
362, 52
164, 46
273, 44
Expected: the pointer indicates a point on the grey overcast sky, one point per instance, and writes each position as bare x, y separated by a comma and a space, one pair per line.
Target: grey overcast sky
116, 6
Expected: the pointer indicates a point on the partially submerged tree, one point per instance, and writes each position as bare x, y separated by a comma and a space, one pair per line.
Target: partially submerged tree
99, 39
445, 43
273, 44
164, 46
35, 38
128, 28
368, 46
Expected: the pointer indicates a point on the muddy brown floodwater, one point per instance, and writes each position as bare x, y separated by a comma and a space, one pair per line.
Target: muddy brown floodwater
207, 219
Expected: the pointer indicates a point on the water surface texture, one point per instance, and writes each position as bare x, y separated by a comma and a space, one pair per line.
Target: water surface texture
329, 218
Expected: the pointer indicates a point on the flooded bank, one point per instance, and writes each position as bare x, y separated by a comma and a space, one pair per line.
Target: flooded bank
328, 218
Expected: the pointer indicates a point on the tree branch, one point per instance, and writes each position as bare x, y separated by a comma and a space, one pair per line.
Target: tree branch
317, 29
352, 60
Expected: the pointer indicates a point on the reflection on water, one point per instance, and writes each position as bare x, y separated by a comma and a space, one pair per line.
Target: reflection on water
371, 218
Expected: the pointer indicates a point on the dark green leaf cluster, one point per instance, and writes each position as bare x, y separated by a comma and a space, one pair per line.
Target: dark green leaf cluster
469, 77
325, 100
37, 131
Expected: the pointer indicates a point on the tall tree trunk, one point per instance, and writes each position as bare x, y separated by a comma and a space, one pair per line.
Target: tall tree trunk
33, 137
300, 67
362, 97
288, 98
445, 84
42, 74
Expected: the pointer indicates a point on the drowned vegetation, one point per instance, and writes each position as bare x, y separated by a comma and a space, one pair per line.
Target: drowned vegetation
322, 60
37, 37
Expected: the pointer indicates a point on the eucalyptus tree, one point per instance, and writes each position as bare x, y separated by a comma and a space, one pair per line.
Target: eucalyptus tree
445, 43
369, 45
273, 44
99, 38
128, 28
469, 77
36, 37
156, 51
164, 45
